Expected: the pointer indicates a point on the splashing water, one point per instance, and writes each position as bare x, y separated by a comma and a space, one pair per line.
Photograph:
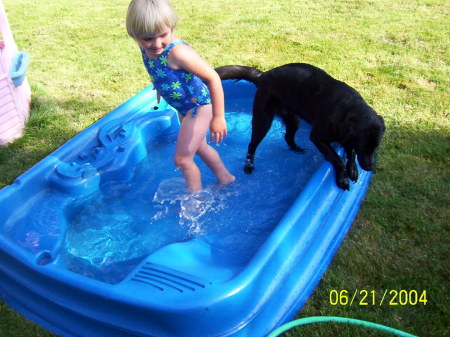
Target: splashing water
192, 206
196, 205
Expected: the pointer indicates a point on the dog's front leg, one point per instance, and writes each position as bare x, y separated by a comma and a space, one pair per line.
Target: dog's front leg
338, 163
352, 170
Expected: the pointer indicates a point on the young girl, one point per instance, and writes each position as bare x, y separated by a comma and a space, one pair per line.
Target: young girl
186, 82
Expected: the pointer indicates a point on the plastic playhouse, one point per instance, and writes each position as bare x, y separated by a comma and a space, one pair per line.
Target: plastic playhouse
15, 93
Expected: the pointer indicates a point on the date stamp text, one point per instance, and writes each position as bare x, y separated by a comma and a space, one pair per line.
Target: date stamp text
364, 297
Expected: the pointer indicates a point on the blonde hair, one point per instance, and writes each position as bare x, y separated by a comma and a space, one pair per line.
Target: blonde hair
147, 17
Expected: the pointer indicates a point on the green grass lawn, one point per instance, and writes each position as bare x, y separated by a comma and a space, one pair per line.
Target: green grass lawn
396, 53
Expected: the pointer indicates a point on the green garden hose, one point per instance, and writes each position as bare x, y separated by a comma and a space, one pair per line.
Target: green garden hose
320, 319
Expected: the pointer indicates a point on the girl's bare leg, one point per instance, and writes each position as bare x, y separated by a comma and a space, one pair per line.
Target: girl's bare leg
212, 159
192, 140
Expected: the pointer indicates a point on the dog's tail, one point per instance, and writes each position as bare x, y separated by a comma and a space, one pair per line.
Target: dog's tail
238, 73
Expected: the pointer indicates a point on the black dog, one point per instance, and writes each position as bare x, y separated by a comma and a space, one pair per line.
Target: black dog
335, 111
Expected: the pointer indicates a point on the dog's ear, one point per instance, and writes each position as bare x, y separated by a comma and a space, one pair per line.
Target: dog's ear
381, 121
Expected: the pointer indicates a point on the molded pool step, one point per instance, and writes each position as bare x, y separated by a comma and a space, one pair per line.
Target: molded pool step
186, 266
166, 279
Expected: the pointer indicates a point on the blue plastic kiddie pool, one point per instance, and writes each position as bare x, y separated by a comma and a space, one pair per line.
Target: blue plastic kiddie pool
101, 239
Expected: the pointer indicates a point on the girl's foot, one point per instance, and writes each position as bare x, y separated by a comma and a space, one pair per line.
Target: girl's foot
227, 180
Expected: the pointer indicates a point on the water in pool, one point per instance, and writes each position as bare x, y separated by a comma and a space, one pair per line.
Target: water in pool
111, 231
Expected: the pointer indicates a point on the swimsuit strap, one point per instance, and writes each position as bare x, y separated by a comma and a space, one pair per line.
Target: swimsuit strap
166, 51
170, 46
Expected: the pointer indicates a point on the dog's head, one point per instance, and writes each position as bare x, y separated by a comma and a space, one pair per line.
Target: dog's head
363, 132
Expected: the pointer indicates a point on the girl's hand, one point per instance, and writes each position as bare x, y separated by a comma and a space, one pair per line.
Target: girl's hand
217, 129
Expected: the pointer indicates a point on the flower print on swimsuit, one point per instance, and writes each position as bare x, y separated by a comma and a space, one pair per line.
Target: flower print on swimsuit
176, 86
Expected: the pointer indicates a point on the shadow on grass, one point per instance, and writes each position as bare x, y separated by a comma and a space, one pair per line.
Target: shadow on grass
399, 240
12, 324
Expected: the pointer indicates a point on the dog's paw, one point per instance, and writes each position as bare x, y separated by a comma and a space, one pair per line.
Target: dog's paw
248, 167
352, 172
342, 180
344, 184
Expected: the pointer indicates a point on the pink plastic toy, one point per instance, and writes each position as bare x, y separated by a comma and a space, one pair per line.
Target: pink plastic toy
15, 93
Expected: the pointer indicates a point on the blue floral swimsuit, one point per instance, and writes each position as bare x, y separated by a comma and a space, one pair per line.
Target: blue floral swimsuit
181, 89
